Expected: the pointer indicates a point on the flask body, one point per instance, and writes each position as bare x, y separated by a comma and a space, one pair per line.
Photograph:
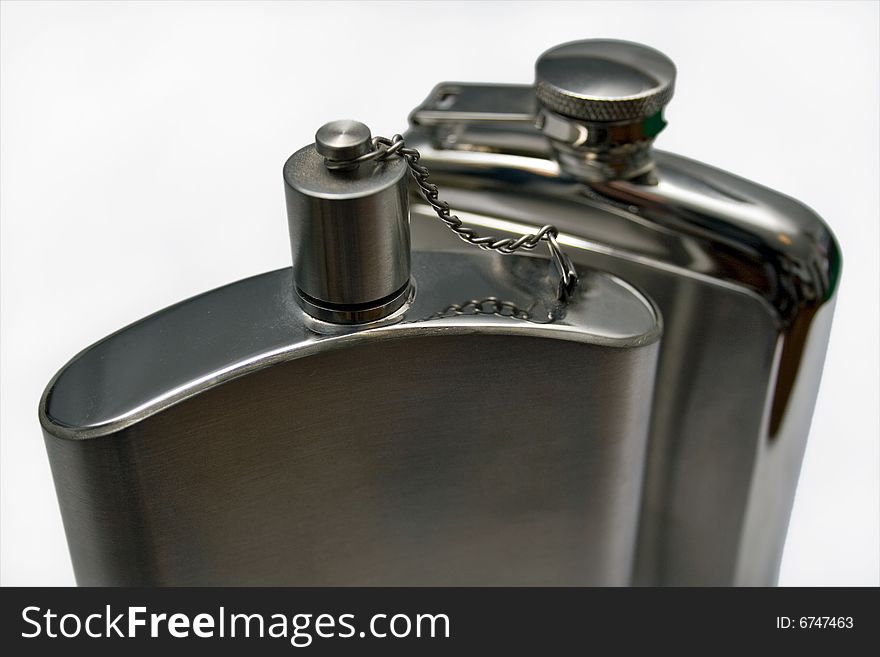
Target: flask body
745, 278
481, 443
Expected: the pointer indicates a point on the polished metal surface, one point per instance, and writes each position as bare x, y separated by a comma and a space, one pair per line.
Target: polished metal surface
604, 80
386, 148
600, 105
745, 278
482, 432
220, 441
343, 140
349, 234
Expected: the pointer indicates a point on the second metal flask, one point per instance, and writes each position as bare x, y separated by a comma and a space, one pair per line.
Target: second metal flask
370, 416
746, 278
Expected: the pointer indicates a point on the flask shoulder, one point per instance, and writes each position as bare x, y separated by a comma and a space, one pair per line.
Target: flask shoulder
248, 326
685, 217
786, 233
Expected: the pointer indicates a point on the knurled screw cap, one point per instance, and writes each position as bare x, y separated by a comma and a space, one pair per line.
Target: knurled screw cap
343, 140
604, 81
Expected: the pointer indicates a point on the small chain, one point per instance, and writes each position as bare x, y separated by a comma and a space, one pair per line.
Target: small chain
487, 306
384, 148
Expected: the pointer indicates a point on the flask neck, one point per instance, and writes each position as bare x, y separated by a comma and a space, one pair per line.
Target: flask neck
599, 152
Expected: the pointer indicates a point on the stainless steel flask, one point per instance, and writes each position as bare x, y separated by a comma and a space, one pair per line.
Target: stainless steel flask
370, 416
745, 277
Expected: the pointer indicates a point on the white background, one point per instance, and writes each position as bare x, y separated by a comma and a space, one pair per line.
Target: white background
142, 147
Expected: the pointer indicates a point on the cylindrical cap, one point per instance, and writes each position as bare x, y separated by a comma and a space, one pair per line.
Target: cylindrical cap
604, 81
349, 235
343, 140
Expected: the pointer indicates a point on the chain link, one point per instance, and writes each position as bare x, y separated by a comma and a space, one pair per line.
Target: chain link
487, 306
384, 148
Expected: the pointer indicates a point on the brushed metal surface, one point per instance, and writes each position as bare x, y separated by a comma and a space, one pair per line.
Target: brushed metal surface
221, 442
349, 230
746, 279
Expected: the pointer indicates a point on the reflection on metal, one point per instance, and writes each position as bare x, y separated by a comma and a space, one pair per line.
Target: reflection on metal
745, 278
376, 415
221, 441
